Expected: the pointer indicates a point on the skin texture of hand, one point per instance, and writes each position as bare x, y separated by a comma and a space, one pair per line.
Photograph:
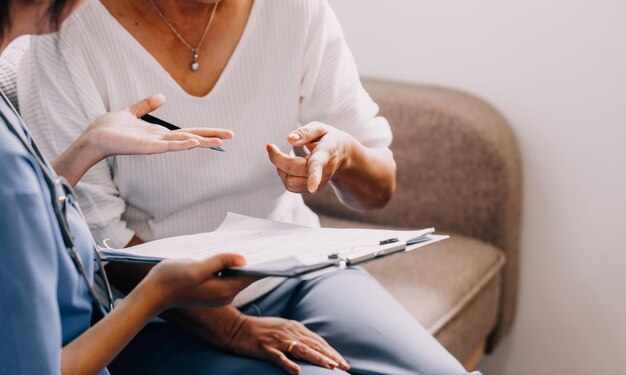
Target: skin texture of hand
269, 338
186, 282
330, 150
364, 178
123, 133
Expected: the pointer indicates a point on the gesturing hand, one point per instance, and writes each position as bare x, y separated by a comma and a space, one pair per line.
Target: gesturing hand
330, 153
176, 283
123, 133
277, 339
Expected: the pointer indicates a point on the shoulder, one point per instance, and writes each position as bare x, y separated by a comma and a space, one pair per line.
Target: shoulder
79, 34
62, 72
300, 13
90, 15
18, 170
299, 22
305, 7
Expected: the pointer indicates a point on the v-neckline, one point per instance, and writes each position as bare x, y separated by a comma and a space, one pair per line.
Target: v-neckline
150, 59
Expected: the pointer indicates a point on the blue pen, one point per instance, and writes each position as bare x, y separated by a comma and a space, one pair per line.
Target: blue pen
157, 121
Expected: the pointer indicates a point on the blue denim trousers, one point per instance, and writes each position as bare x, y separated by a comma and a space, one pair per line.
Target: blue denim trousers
349, 308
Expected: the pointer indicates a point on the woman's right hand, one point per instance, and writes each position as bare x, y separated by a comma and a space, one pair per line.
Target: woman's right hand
178, 283
282, 341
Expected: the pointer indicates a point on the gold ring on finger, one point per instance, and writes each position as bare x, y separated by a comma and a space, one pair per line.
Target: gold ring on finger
292, 345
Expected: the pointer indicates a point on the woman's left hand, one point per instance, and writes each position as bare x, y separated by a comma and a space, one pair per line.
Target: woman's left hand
123, 133
330, 153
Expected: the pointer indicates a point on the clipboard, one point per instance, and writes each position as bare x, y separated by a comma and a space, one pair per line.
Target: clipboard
278, 249
292, 267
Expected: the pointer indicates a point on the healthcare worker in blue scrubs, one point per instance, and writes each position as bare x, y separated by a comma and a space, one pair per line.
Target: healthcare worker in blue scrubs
51, 319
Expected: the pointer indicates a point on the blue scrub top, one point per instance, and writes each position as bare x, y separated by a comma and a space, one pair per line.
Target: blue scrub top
44, 301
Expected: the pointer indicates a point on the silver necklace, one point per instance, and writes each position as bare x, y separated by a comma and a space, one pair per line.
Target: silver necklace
195, 52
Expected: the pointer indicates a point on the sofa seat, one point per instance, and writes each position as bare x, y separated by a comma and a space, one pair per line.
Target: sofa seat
451, 287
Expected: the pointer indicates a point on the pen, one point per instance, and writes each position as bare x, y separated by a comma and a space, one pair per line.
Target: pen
157, 121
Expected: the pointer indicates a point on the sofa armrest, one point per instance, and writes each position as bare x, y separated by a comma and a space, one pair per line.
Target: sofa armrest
458, 170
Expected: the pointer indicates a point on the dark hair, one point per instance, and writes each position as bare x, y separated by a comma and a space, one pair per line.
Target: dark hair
56, 11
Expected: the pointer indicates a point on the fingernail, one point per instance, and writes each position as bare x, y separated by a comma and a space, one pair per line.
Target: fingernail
344, 365
295, 136
268, 147
333, 364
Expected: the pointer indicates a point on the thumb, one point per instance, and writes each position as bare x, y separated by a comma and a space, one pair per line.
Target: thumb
147, 105
219, 262
308, 133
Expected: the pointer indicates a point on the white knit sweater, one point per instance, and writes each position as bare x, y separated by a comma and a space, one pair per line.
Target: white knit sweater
291, 66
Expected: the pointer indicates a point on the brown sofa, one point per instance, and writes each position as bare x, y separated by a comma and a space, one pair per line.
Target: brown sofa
459, 171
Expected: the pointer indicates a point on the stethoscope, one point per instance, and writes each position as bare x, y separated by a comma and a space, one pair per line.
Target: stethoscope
62, 194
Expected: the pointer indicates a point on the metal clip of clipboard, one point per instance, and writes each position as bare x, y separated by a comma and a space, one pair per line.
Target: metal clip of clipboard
362, 254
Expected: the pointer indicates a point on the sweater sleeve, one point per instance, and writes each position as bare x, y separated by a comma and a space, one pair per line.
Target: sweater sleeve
331, 91
56, 115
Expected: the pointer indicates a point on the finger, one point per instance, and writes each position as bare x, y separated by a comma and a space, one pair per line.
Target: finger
209, 132
175, 145
294, 184
315, 166
147, 105
310, 146
316, 342
304, 352
310, 132
219, 262
202, 141
295, 166
280, 359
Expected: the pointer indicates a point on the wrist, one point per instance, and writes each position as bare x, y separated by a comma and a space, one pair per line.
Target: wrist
76, 160
150, 295
92, 143
221, 327
351, 152
235, 328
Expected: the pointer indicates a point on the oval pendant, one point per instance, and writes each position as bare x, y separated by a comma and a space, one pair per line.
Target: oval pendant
195, 66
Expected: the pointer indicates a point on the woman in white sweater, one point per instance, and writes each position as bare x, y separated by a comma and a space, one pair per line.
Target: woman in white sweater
279, 74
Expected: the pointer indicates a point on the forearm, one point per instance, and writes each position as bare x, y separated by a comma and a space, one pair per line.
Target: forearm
213, 325
95, 348
367, 180
76, 160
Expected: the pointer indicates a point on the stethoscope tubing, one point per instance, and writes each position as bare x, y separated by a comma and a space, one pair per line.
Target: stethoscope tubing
56, 198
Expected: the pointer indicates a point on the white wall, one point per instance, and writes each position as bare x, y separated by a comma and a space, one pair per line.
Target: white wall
557, 70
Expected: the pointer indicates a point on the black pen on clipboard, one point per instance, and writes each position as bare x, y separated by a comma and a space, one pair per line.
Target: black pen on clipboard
157, 121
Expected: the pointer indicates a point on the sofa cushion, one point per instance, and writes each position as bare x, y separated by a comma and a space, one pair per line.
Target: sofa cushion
451, 287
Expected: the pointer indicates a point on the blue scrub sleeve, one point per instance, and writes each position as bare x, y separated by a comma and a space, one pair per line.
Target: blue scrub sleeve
30, 325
